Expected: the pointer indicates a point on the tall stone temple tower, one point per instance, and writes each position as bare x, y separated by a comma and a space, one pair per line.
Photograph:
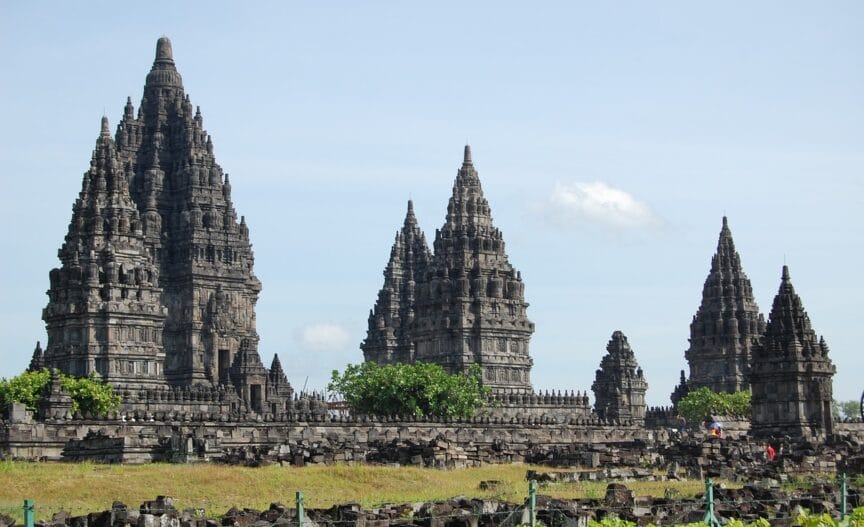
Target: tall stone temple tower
190, 227
727, 325
104, 314
619, 386
389, 337
791, 373
466, 303
156, 282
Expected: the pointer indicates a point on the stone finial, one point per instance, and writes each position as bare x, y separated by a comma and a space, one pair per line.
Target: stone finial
410, 218
163, 50
466, 160
106, 130
785, 275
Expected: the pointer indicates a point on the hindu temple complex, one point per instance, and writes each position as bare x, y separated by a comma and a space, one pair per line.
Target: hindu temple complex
156, 294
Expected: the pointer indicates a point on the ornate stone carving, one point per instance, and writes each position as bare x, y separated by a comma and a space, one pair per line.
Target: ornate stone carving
156, 282
727, 325
464, 305
791, 373
619, 386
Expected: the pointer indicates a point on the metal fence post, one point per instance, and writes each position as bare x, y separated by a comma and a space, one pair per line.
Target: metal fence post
28, 513
532, 503
710, 519
842, 496
301, 513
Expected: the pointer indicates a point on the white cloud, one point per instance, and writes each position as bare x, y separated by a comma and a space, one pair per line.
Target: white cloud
598, 202
323, 336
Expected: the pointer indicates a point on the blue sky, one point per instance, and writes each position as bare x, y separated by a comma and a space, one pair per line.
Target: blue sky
610, 139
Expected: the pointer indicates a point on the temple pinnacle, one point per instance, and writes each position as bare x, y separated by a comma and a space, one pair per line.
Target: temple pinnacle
785, 273
163, 50
106, 132
467, 158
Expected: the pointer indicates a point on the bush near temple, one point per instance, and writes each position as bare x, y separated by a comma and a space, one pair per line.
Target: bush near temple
89, 394
703, 403
419, 389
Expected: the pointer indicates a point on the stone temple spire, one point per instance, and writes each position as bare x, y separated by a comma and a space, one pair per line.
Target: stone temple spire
104, 314
37, 361
619, 386
190, 227
470, 303
791, 373
388, 338
727, 325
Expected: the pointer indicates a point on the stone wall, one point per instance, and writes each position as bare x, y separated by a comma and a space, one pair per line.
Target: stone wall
190, 437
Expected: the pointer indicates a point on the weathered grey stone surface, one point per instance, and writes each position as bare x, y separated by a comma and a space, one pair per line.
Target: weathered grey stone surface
462, 306
727, 325
156, 282
191, 229
389, 338
156, 294
791, 373
619, 386
104, 314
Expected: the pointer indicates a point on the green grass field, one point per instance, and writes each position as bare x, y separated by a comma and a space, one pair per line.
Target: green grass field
87, 487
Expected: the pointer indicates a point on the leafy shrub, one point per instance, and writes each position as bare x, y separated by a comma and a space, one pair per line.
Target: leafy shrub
703, 403
89, 394
25, 388
410, 389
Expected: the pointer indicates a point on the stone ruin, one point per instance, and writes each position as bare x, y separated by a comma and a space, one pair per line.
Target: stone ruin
156, 287
460, 305
761, 498
156, 295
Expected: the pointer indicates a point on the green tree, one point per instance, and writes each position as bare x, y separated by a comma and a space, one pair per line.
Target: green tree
841, 409
89, 394
25, 388
418, 389
703, 403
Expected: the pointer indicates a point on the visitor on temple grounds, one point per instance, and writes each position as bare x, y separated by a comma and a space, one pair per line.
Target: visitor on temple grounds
770, 454
716, 429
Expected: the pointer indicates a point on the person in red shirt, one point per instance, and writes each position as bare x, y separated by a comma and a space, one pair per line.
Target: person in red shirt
770, 454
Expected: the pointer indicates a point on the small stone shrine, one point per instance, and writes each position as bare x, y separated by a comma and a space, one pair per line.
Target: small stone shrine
619, 386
